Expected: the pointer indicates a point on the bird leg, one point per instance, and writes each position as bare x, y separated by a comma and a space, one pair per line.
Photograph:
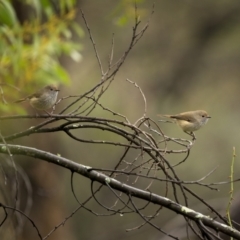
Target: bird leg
49, 114
192, 135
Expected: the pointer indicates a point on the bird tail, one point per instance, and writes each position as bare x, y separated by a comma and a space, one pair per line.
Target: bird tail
20, 100
165, 116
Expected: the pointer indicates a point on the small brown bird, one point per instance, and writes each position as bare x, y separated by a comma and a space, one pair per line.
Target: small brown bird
190, 121
43, 99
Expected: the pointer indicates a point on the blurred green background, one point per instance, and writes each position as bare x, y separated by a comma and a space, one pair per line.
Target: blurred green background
188, 59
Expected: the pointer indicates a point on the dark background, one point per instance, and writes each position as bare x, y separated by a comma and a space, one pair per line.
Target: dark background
188, 59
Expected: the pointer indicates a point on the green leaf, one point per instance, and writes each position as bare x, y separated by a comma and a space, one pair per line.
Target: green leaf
36, 5
61, 74
7, 14
77, 29
76, 56
122, 21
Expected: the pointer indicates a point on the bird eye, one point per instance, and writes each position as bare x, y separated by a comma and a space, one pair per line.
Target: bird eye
203, 116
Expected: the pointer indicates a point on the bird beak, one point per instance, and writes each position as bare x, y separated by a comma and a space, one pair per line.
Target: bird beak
208, 117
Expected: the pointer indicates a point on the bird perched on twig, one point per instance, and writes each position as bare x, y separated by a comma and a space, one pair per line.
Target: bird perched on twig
190, 121
43, 99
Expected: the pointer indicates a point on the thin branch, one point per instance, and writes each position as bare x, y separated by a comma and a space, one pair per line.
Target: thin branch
93, 43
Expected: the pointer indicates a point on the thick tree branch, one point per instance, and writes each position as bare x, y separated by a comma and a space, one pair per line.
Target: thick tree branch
117, 185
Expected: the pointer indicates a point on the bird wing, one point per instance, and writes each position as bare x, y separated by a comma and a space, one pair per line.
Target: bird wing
185, 117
